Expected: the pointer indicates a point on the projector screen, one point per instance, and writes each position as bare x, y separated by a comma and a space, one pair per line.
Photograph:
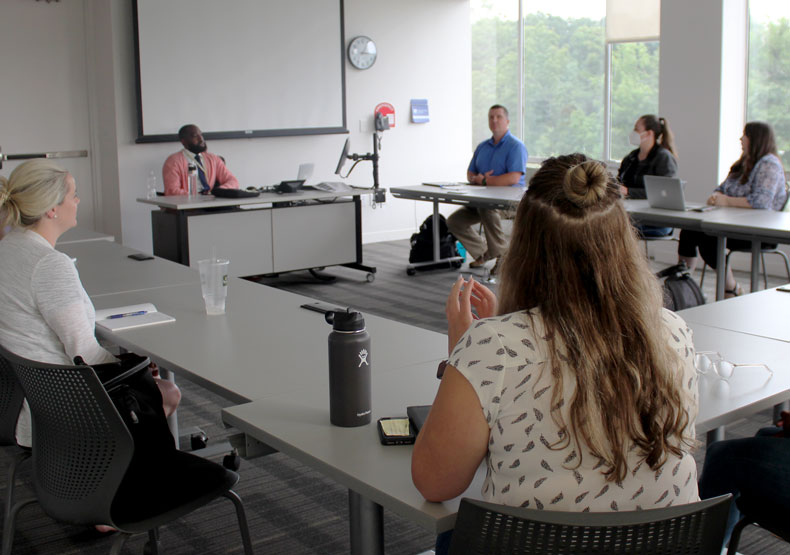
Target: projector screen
239, 68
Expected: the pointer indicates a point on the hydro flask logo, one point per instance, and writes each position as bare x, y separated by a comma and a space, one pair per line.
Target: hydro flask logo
363, 358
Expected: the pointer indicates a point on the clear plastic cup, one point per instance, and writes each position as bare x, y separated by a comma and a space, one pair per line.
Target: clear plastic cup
214, 283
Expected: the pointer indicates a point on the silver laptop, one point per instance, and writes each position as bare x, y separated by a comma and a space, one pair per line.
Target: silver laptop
305, 171
667, 193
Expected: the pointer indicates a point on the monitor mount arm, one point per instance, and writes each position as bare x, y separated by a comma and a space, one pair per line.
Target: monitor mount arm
379, 194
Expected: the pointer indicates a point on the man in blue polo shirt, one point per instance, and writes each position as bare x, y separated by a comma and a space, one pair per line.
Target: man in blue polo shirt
498, 162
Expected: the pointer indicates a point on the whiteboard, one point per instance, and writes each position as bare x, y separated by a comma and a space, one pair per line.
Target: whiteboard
239, 68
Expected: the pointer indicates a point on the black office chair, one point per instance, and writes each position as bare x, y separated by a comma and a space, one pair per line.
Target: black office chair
696, 528
81, 453
765, 513
11, 398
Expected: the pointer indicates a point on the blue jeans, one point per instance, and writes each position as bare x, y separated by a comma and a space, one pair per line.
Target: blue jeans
757, 467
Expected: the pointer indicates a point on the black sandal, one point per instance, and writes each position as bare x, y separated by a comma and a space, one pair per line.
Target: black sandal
736, 291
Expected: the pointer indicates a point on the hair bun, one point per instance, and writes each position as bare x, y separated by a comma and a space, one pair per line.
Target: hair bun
585, 184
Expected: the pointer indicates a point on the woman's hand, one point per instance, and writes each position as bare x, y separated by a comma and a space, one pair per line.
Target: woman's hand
483, 300
464, 296
718, 199
458, 309
623, 191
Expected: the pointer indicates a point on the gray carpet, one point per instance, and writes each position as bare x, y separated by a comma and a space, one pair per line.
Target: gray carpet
290, 508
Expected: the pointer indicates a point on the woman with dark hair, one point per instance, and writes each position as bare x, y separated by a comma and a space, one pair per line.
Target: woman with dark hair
576, 386
756, 180
655, 155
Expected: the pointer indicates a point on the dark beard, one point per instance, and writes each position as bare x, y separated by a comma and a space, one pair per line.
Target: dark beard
197, 149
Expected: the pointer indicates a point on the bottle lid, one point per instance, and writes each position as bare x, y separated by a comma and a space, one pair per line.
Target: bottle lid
347, 320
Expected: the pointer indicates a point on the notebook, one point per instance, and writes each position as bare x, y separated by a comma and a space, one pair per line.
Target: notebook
131, 316
667, 193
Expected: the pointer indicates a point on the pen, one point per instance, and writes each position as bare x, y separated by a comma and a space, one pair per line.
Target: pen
125, 314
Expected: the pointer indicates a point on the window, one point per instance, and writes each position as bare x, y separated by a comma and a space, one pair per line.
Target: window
495, 67
768, 77
634, 86
564, 55
557, 92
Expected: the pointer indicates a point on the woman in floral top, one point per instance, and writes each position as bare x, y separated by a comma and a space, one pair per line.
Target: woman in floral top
756, 180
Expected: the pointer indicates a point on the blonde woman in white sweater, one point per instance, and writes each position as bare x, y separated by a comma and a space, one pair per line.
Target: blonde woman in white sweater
47, 316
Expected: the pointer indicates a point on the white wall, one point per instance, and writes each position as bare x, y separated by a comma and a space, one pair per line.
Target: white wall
424, 52
43, 91
702, 86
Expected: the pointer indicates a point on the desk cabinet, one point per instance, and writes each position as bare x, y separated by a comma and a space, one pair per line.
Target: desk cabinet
313, 236
277, 238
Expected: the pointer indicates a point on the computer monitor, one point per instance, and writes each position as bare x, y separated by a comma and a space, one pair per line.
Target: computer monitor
343, 157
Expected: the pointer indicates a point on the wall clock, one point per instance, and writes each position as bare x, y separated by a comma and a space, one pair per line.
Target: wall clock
362, 52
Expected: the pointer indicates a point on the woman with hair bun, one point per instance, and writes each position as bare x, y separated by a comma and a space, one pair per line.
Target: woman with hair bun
655, 155
575, 386
47, 316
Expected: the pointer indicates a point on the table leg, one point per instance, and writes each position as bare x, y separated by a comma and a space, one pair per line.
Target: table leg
721, 271
716, 434
366, 524
755, 265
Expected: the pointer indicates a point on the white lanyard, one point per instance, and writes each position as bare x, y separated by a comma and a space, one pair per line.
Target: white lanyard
191, 159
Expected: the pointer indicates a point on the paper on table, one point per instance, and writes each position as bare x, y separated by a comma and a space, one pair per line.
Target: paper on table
151, 316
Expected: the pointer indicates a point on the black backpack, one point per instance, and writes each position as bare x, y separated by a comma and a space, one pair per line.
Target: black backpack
422, 242
680, 289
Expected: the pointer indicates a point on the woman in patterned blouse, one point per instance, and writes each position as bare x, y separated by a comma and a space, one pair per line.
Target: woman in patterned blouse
576, 387
756, 180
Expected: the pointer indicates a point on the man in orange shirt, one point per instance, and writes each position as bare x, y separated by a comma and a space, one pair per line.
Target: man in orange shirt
212, 171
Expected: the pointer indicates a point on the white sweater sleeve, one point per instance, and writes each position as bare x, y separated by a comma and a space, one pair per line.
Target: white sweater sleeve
64, 305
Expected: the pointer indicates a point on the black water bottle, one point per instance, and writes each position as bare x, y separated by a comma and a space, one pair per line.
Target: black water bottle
349, 369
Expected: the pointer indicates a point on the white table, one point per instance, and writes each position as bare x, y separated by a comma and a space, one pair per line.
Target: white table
757, 226
267, 347
764, 314
299, 427
377, 476
754, 225
750, 389
267, 234
81, 235
492, 198
105, 268
264, 344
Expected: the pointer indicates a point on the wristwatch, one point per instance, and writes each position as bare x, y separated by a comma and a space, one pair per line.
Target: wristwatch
484, 181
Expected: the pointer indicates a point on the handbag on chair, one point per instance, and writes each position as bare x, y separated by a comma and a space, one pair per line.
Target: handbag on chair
136, 396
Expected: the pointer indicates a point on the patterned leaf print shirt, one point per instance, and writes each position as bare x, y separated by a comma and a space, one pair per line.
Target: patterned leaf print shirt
505, 358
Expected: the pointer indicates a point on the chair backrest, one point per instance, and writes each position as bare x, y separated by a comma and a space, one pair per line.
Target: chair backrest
11, 398
488, 528
81, 447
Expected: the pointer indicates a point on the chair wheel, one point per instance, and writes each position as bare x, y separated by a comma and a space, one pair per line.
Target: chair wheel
410, 271
198, 440
370, 277
232, 461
